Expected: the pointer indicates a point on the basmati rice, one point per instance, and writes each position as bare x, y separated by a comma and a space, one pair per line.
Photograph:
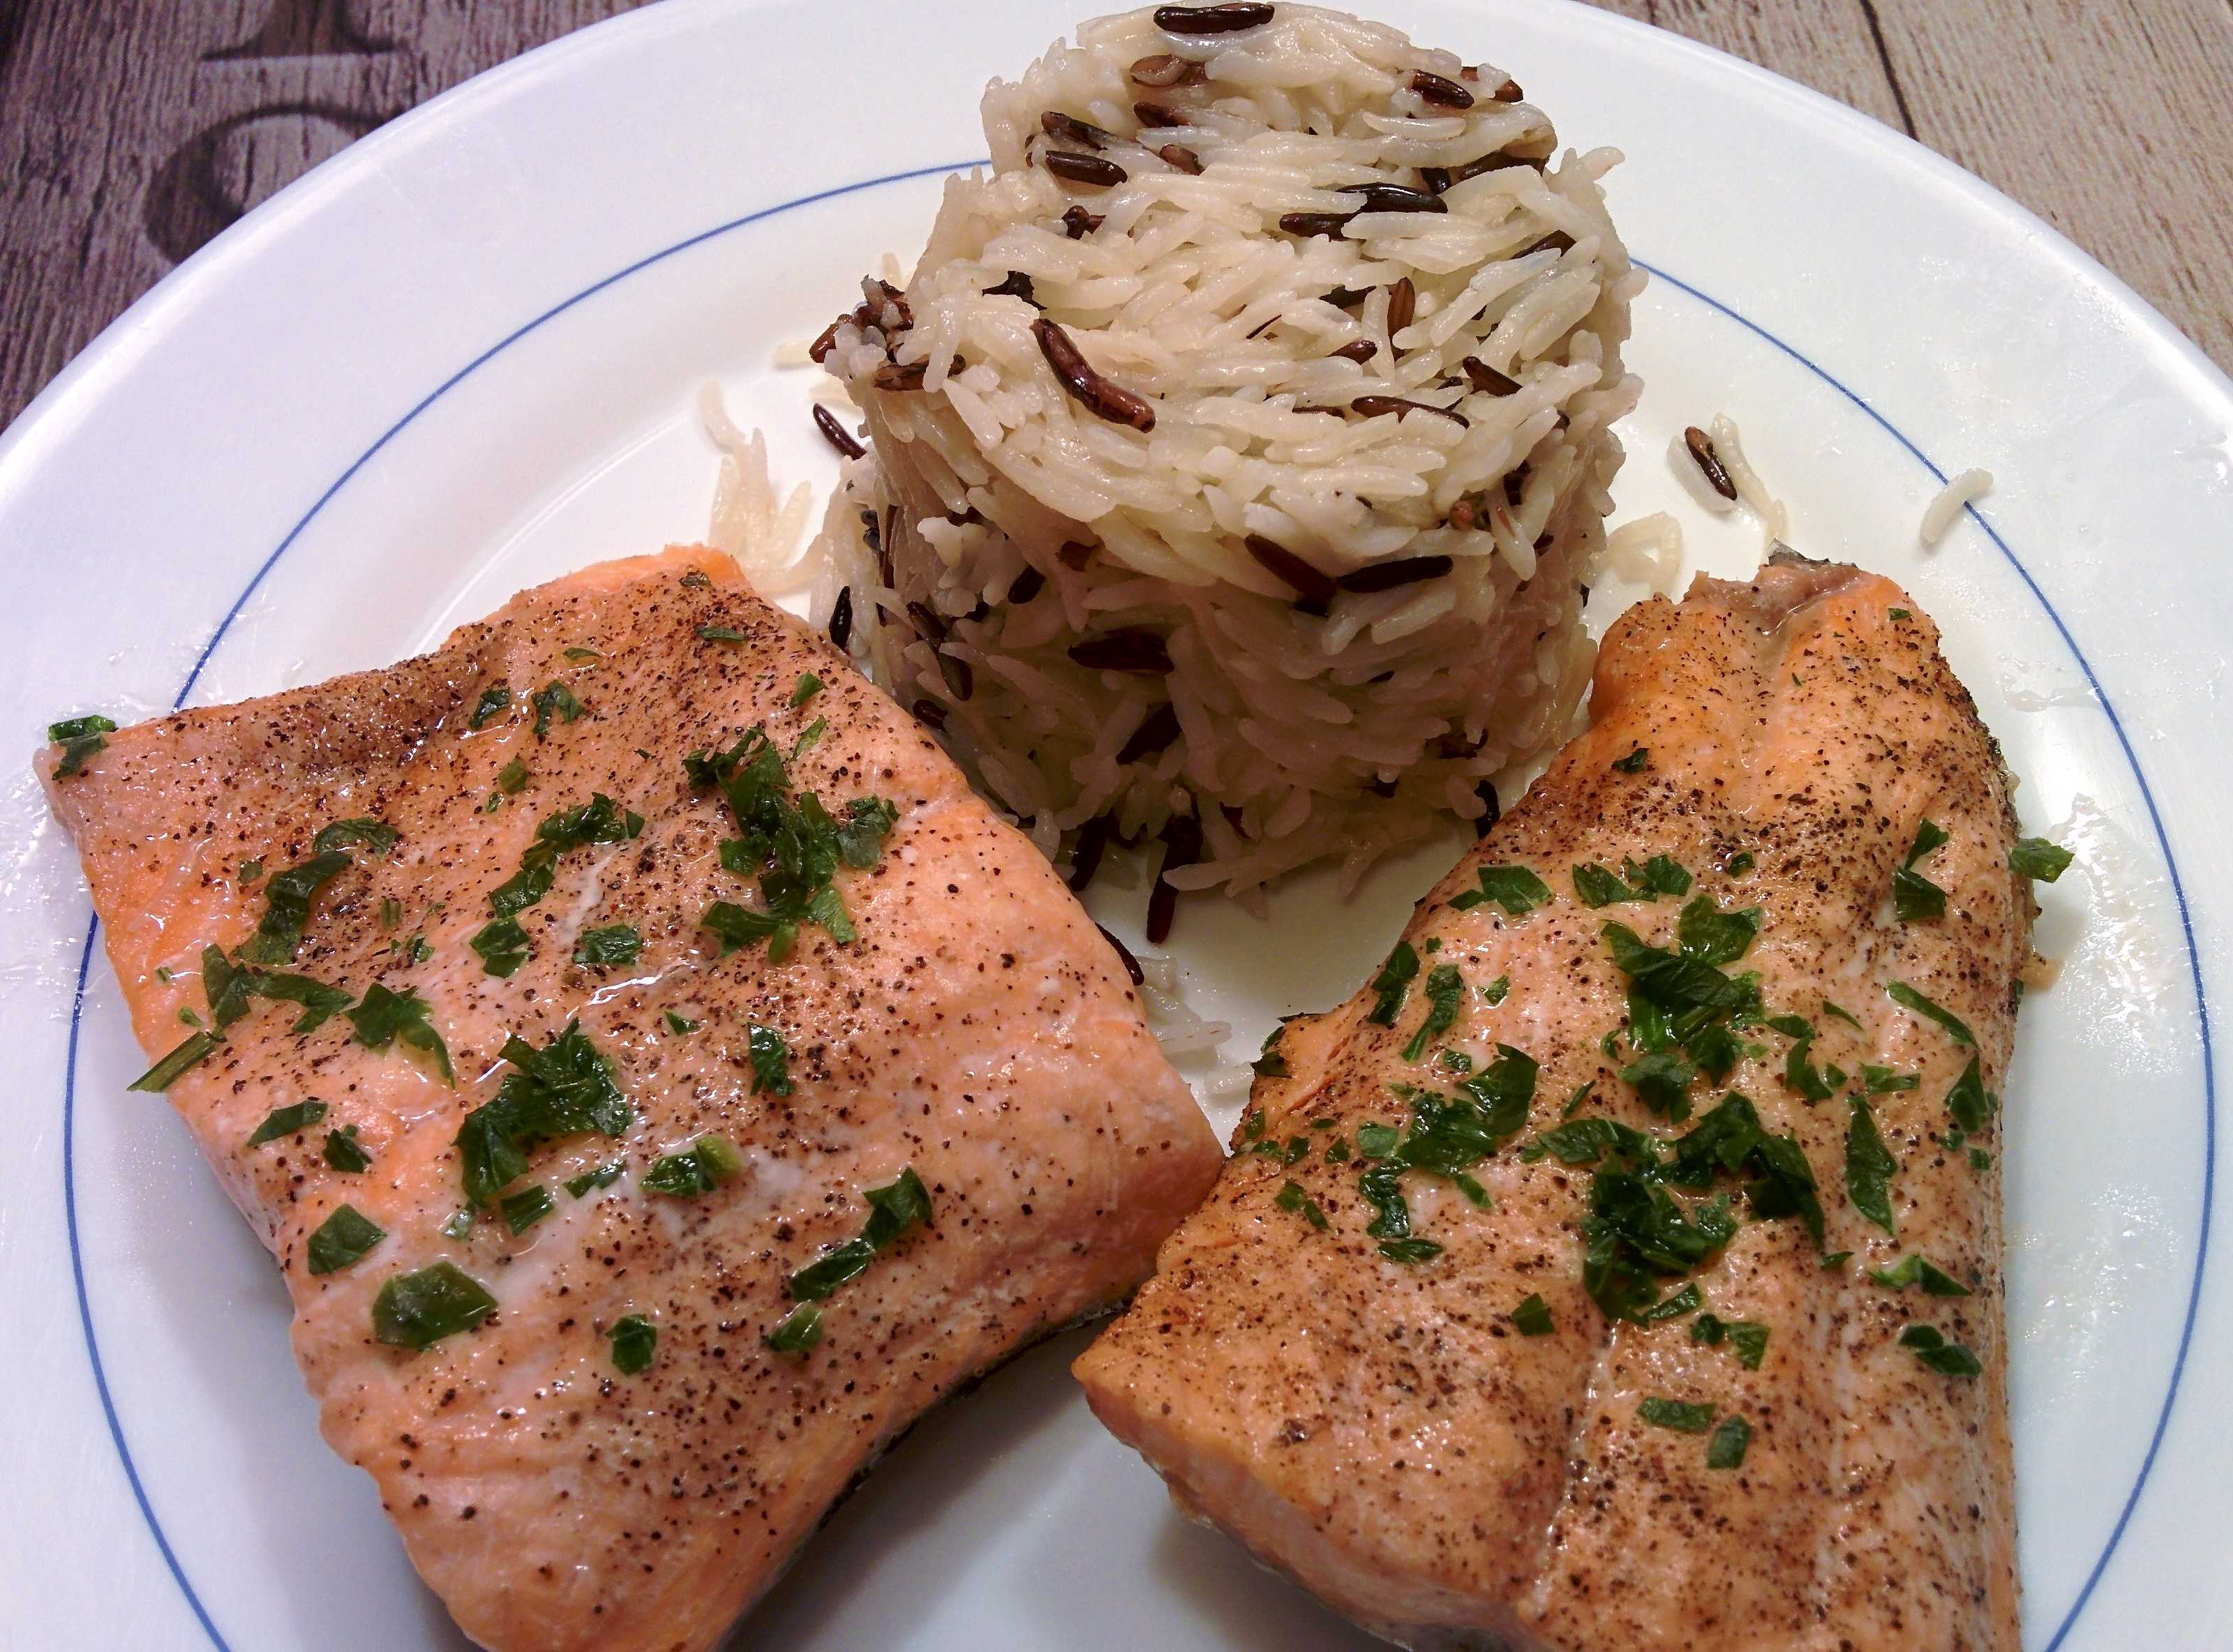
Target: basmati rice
1951, 501
1096, 403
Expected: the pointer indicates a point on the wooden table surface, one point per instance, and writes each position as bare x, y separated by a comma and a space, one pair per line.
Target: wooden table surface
132, 131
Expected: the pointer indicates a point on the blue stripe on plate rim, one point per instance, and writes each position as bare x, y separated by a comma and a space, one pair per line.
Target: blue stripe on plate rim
2100, 696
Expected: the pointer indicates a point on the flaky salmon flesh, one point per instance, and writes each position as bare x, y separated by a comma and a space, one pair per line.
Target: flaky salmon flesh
658, 1077
1622, 1267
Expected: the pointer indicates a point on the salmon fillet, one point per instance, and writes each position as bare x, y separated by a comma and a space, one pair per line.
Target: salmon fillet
611, 1152
1468, 1345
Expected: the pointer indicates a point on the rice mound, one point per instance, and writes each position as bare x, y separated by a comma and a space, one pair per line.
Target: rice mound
1134, 532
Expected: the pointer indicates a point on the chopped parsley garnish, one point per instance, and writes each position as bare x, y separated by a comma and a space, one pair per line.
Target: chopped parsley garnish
1920, 1270
1916, 898
1748, 1339
495, 701
603, 1176
1445, 987
230, 987
343, 1152
374, 834
1269, 1064
1881, 1081
1833, 1259
613, 944
1726, 1448
1291, 1196
1662, 1079
460, 1224
770, 1059
1980, 1160
598, 821
894, 1209
1377, 1140
1930, 1346
346, 1235
565, 1088
2034, 857
808, 686
1741, 863
694, 1172
416, 1311
1447, 1137
1841, 1014
182, 1057
1409, 1252
1897, 614
1495, 993
526, 1207
1533, 1317
383, 1017
800, 1331
1799, 1072
1905, 995
1456, 1061
512, 779
578, 654
288, 1121
1574, 1102
634, 1339
1393, 983
808, 737
1687, 1300
1969, 1101
679, 1025
720, 634
1678, 1414
1869, 1167
503, 945
554, 699
1515, 888
1595, 887
79, 738
1634, 761
288, 896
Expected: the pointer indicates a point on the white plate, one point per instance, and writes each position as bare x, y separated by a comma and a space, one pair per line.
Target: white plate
462, 357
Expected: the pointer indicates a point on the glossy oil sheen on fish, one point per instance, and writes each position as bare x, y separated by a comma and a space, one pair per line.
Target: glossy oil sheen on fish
710, 1081
1623, 1266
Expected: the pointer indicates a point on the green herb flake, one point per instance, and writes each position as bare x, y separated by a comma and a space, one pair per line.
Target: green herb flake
2034, 857
503, 946
566, 1088
680, 1024
720, 634
1916, 898
181, 1059
1920, 1270
555, 699
80, 738
1393, 983
377, 836
1841, 1014
799, 1331
416, 1311
343, 1152
1515, 888
603, 1176
76, 728
1948, 1359
770, 1059
1741, 863
696, 1171
634, 1339
579, 655
288, 897
1533, 1317
287, 1120
460, 1224
1291, 1196
1495, 991
1680, 1415
1899, 613
1445, 988
1882, 1080
346, 1235
251, 870
1634, 761
1833, 1260
1729, 1441
1969, 1102
1595, 887
808, 686
1907, 998
1869, 1168
1269, 1062
494, 702
1749, 1339
1980, 1160
612, 945
893, 1209
526, 1207
512, 779
1411, 1252
1687, 1300
1662, 1081
383, 1017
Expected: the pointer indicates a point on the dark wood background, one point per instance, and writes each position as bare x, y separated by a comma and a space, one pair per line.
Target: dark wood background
132, 131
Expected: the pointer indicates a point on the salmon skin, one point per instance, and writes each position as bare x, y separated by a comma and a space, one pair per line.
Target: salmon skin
659, 1080
1622, 1267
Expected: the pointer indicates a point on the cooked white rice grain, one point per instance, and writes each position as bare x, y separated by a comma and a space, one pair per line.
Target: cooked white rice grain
1952, 500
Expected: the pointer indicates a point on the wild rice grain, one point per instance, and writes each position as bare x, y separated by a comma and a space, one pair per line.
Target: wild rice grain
1018, 285
1395, 198
1142, 652
896, 375
1433, 88
1709, 462
1075, 553
1358, 350
818, 352
1181, 159
1330, 224
1156, 731
1154, 116
1057, 125
836, 434
930, 713
1372, 406
1089, 170
1085, 853
1492, 812
958, 677
1403, 304
1487, 380
1078, 223
1181, 847
1509, 91
841, 620
1166, 69
1228, 19
1027, 585
1314, 590
1104, 400
1124, 956
1387, 576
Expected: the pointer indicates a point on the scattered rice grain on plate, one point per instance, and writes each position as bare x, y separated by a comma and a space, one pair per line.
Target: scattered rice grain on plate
1952, 499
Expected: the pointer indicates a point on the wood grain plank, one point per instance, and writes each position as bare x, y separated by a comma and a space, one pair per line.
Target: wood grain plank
1830, 45
2114, 122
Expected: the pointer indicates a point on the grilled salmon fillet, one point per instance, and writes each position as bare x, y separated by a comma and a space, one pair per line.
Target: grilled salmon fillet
1621, 1268
659, 1079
